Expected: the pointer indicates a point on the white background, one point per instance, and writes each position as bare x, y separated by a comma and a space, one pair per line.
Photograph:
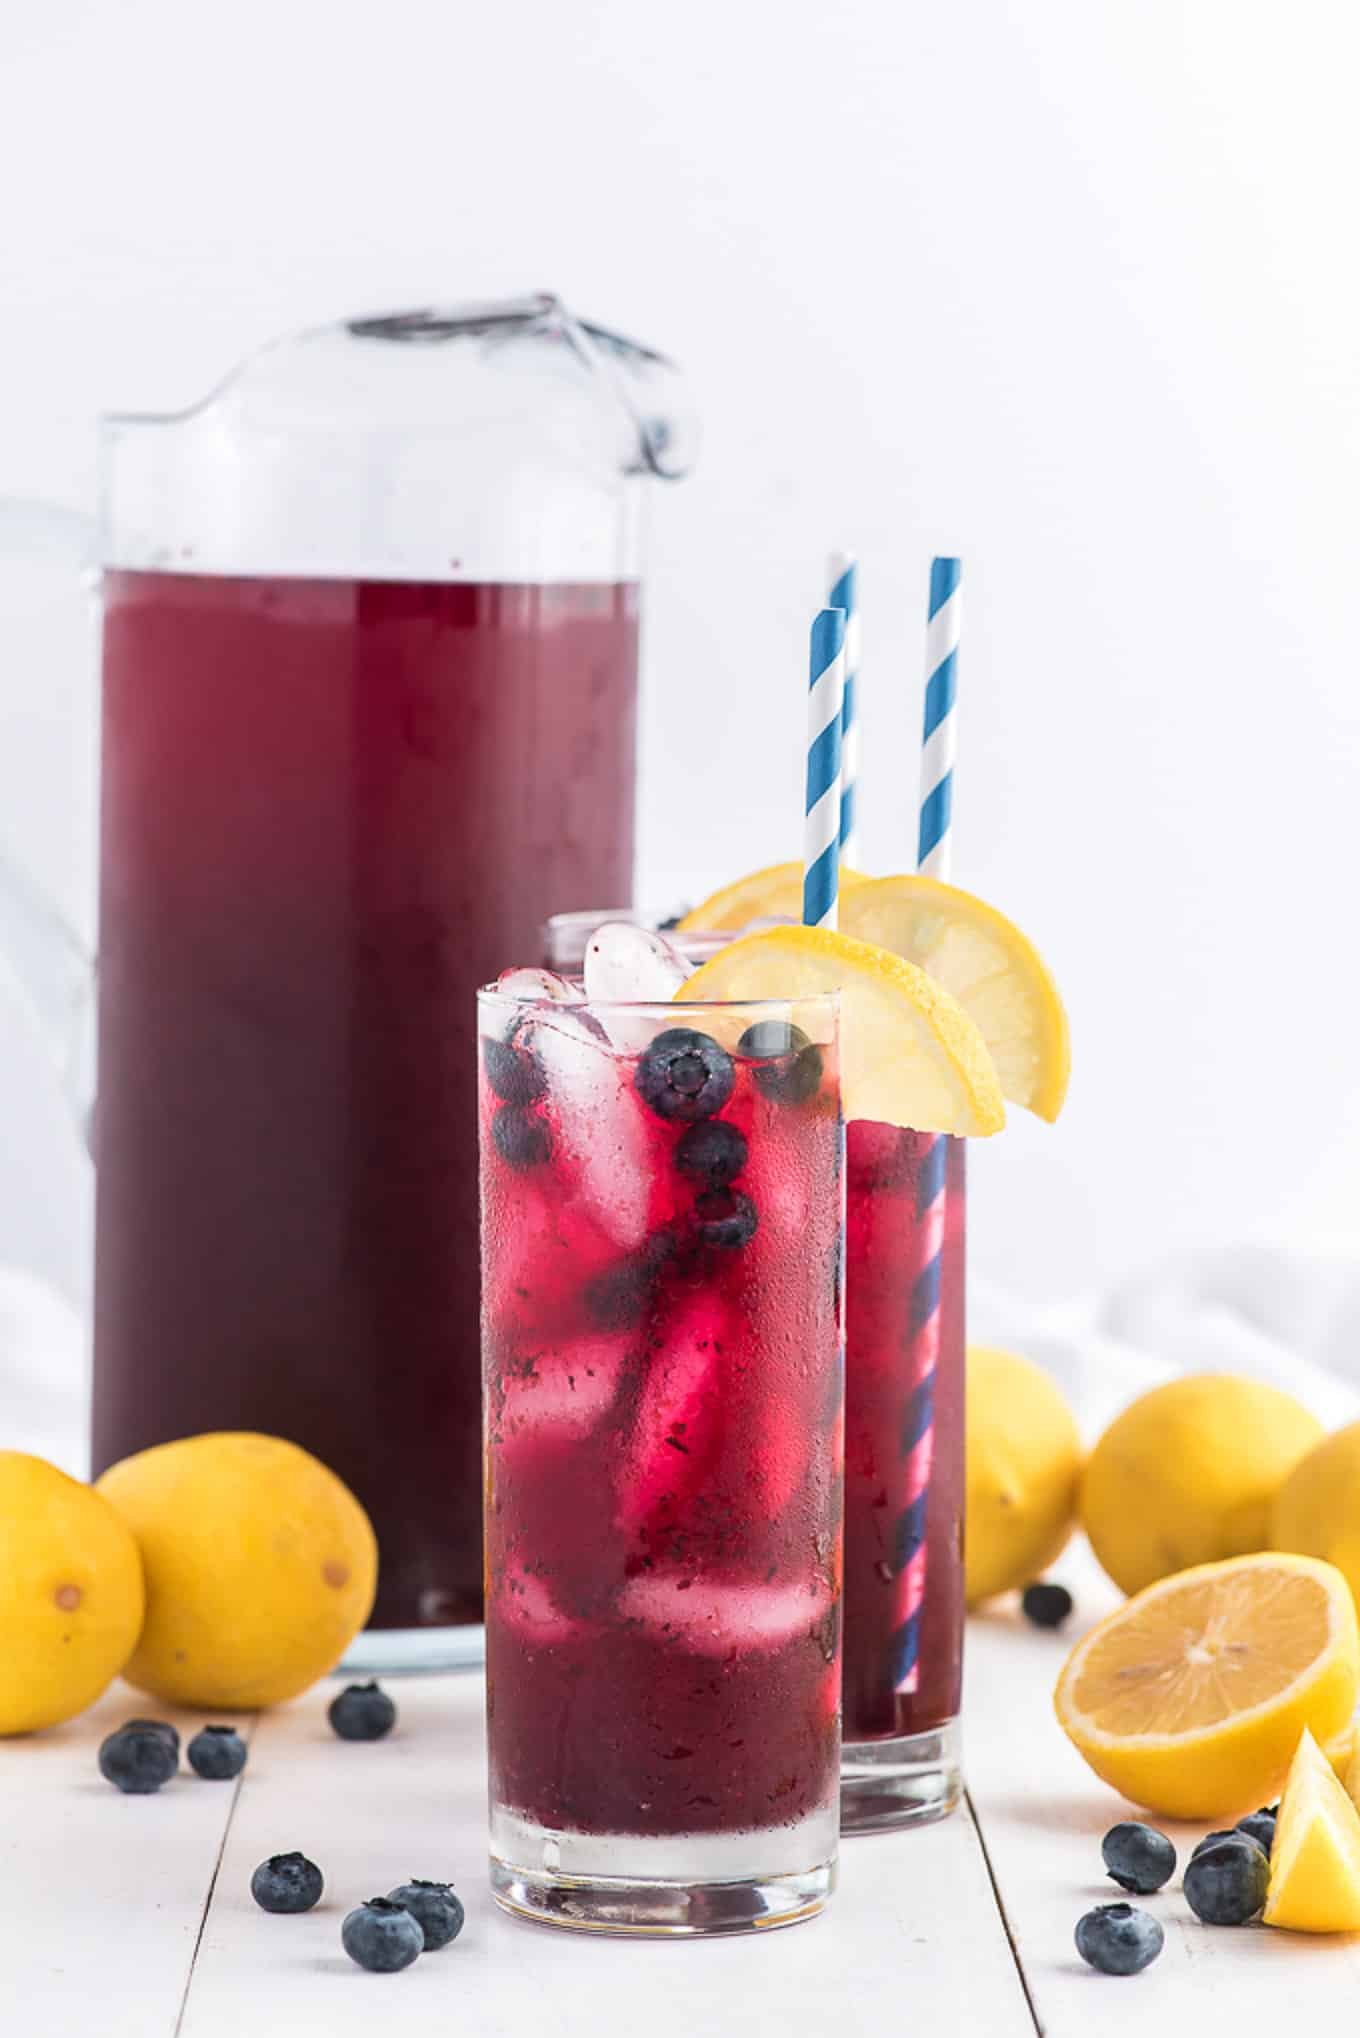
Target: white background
1068, 286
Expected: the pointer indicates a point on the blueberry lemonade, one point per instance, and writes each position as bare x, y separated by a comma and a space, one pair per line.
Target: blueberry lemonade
662, 1198
978, 1018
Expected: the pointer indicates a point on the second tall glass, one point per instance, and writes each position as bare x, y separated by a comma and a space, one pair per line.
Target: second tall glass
904, 1476
662, 1254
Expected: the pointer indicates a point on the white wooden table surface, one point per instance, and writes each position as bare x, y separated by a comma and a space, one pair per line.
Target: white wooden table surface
132, 1917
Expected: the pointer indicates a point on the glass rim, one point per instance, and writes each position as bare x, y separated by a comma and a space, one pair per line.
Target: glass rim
830, 1001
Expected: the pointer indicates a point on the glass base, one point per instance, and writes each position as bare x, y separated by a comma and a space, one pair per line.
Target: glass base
671, 1885
907, 1781
396, 1652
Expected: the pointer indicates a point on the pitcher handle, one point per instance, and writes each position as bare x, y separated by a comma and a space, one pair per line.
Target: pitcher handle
43, 961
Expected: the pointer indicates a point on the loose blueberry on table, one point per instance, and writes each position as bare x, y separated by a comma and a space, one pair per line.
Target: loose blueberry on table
164, 1727
1260, 1825
382, 1936
1045, 1605
287, 1883
1138, 1857
522, 1138
435, 1908
139, 1758
362, 1712
1231, 1835
1226, 1880
1119, 1938
217, 1753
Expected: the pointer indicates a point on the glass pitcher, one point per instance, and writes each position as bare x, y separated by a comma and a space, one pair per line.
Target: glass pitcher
370, 639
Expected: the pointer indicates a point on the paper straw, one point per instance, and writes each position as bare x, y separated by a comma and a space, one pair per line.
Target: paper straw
821, 827
934, 839
935, 842
917, 1442
843, 580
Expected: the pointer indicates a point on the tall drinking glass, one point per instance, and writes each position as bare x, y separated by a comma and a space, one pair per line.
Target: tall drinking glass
904, 1476
661, 1313
904, 1454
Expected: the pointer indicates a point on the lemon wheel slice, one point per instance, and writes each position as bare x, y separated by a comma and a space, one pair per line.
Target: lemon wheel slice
772, 894
909, 1053
1192, 1697
994, 971
1315, 1861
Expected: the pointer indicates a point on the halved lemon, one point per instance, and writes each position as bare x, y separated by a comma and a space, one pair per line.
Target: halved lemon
1192, 1697
775, 893
1315, 1860
909, 1053
994, 971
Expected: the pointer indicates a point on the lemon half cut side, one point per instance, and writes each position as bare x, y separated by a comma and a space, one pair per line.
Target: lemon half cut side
1191, 1698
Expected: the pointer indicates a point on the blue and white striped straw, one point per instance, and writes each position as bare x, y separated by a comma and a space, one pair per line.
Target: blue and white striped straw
843, 580
934, 840
822, 808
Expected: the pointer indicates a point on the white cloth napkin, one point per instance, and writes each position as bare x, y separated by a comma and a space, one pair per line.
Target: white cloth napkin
1289, 1318
1292, 1319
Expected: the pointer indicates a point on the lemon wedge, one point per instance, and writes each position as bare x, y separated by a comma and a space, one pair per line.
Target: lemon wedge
994, 971
1315, 1861
909, 1053
772, 894
1192, 1697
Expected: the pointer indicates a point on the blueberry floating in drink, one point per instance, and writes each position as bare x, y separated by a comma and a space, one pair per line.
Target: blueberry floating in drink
684, 1075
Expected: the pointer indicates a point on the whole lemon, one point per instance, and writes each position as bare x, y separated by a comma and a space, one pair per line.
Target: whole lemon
260, 1566
1316, 1512
1024, 1464
71, 1596
1186, 1475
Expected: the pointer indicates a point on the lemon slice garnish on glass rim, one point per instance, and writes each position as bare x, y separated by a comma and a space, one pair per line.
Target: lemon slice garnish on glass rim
772, 894
1192, 1697
909, 1053
994, 971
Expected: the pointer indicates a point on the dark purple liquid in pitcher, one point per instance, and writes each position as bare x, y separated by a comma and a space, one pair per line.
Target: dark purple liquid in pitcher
330, 809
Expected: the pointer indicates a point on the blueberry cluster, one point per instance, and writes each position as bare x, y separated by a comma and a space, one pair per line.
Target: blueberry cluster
384, 1934
388, 1932
520, 1131
142, 1755
686, 1078
1225, 1883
